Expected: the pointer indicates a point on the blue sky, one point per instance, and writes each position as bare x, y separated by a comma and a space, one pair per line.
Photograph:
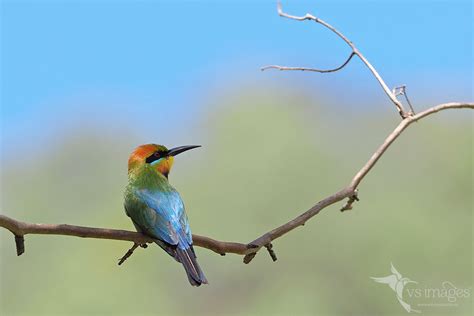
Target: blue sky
137, 62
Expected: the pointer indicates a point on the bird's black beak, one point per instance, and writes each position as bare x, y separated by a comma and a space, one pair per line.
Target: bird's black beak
181, 149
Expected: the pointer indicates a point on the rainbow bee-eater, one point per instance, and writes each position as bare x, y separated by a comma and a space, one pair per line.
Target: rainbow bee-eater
157, 209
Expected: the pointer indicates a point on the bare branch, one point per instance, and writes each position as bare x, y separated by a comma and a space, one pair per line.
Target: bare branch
398, 130
355, 51
19, 229
310, 69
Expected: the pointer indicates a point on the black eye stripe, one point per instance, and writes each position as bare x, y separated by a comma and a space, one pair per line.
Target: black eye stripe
153, 157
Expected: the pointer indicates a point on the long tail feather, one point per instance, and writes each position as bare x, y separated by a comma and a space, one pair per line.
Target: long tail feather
187, 258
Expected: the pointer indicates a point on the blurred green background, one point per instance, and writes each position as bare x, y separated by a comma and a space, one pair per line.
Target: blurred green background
85, 82
266, 157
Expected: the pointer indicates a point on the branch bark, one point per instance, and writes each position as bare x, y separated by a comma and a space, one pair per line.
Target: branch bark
249, 250
19, 228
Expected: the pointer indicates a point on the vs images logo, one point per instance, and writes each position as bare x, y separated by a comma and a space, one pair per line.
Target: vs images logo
447, 295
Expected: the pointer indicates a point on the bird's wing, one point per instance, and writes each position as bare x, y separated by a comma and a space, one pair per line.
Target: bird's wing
164, 216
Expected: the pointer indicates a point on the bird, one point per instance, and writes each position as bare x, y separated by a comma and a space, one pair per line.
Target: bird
157, 209
396, 282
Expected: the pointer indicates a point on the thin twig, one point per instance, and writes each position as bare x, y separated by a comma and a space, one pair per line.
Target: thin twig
355, 51
310, 69
402, 90
19, 244
128, 253
271, 252
398, 130
351, 200
19, 229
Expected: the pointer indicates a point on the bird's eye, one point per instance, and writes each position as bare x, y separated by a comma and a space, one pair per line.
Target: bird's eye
153, 157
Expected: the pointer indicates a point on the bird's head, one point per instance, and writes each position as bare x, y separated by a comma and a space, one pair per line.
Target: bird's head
158, 157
